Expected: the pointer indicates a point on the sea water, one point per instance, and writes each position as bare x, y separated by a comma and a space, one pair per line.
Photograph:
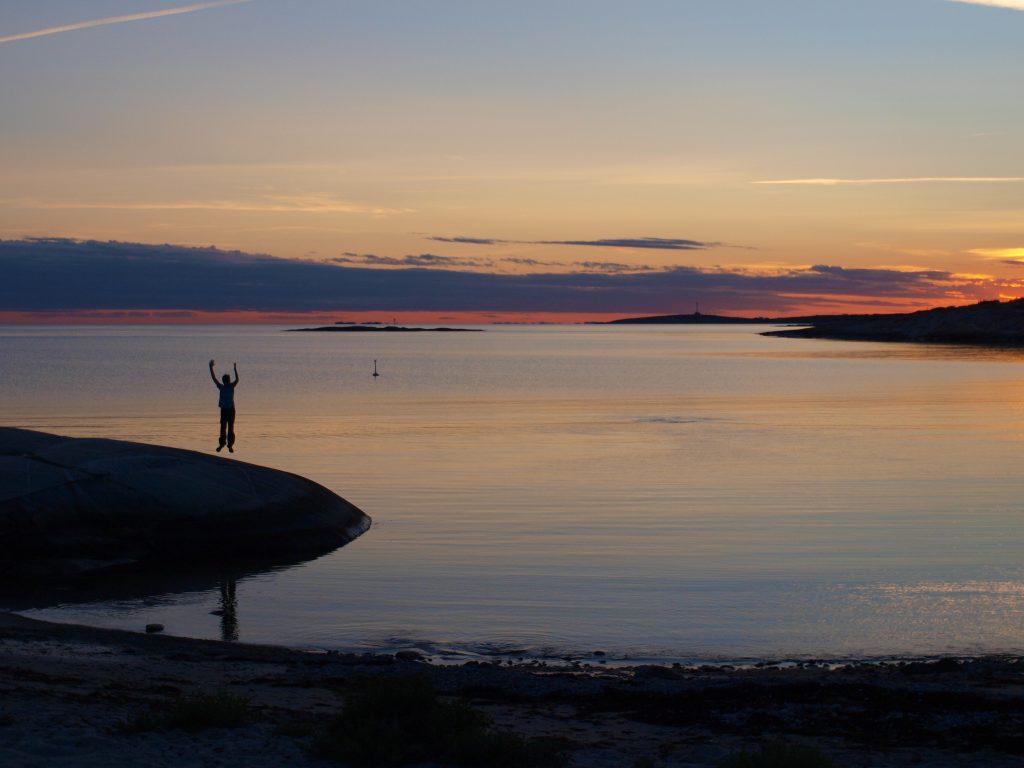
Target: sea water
687, 492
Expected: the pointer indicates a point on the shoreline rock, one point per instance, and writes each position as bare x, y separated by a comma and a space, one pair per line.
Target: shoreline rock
79, 505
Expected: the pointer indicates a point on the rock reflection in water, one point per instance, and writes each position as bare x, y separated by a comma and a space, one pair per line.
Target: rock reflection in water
228, 611
153, 585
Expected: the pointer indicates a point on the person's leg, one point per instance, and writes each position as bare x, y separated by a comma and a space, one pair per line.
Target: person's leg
231, 429
223, 428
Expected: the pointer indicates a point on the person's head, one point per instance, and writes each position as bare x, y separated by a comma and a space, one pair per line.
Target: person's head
226, 378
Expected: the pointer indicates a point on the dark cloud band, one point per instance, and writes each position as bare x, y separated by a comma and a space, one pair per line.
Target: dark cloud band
655, 243
64, 275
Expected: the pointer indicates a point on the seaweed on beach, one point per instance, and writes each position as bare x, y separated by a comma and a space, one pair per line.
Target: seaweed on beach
399, 721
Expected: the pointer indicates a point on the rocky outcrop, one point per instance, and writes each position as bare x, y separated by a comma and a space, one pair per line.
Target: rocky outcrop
990, 322
73, 505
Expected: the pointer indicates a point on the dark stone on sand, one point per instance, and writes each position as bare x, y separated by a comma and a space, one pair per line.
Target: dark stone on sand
78, 505
655, 672
152, 628
941, 667
410, 656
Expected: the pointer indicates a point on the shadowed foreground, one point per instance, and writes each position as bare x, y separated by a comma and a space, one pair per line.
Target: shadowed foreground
82, 696
79, 505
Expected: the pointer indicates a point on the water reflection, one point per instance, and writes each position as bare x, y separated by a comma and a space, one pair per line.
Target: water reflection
228, 611
154, 585
704, 490
876, 350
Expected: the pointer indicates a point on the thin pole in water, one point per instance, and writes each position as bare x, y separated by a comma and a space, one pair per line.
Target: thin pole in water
375, 374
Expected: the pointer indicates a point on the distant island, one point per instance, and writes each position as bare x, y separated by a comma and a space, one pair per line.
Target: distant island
347, 328
988, 322
693, 319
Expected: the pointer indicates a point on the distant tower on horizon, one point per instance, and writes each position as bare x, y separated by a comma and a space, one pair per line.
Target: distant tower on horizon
696, 312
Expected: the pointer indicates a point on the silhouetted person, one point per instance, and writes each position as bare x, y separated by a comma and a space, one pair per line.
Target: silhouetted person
227, 408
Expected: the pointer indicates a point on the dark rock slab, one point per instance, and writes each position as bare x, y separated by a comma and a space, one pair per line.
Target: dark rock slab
75, 505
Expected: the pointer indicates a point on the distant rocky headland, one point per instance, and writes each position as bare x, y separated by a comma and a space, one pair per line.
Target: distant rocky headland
988, 322
354, 328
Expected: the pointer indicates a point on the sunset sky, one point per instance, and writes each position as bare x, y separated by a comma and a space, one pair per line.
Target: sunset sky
467, 158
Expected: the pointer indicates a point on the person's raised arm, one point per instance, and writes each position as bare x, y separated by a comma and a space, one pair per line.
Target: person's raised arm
235, 366
213, 375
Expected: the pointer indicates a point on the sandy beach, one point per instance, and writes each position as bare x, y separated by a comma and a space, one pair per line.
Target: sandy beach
68, 691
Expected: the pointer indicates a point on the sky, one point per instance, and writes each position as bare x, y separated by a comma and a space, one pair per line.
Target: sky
555, 159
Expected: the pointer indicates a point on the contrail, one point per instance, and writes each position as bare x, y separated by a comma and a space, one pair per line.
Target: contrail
916, 180
118, 20
1016, 5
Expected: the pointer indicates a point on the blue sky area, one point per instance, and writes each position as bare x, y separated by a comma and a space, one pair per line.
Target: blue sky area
529, 138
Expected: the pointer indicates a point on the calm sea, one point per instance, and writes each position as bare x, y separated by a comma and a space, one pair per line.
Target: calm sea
652, 492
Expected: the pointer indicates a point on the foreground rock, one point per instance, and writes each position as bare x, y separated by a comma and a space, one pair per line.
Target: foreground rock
73, 505
990, 322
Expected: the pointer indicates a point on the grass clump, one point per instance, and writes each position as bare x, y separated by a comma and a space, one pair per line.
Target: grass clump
780, 755
194, 713
399, 721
